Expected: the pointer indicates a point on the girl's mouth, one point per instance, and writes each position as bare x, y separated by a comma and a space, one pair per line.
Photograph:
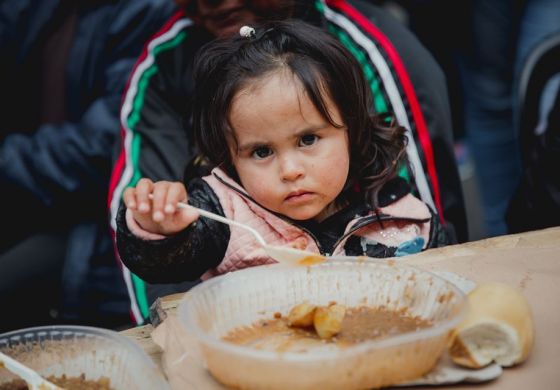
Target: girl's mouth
299, 196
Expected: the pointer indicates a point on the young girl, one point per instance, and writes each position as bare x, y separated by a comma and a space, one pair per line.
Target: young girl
282, 113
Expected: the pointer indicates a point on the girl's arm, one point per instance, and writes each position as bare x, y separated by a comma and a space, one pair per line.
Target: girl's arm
183, 256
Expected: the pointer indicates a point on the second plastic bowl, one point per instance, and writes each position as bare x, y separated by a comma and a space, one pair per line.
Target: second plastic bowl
76, 350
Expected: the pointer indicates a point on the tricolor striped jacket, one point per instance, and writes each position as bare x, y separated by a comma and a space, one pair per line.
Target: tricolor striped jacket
157, 141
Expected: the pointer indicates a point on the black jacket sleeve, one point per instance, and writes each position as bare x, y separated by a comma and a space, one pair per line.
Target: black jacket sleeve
184, 256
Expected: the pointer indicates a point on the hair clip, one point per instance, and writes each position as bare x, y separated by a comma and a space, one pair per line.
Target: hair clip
247, 32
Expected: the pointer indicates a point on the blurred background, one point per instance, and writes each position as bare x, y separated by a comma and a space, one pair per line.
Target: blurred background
489, 51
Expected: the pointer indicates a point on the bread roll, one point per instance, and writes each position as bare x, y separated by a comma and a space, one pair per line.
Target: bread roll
499, 327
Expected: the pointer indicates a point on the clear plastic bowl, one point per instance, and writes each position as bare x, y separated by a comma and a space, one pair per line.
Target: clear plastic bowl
215, 307
76, 350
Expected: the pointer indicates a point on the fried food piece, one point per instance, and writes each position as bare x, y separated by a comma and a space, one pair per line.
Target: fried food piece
328, 320
302, 315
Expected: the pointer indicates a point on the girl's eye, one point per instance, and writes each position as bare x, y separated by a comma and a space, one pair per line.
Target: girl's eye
308, 140
261, 152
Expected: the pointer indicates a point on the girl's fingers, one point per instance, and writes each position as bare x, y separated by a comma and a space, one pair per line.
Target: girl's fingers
155, 206
129, 198
159, 198
144, 188
176, 193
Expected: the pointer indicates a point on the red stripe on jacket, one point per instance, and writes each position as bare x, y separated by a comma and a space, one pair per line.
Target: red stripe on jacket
408, 88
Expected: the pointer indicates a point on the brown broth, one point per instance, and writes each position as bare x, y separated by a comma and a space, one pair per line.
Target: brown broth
66, 382
360, 324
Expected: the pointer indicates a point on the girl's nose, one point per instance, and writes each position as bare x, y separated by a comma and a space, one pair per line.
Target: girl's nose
291, 169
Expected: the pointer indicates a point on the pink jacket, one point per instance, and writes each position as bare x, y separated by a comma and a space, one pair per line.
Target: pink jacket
404, 220
244, 251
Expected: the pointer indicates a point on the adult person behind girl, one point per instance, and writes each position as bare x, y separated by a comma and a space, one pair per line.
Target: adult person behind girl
283, 114
403, 77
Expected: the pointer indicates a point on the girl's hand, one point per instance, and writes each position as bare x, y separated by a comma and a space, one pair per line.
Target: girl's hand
154, 206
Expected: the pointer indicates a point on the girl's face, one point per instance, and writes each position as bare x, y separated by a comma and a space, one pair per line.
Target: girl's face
288, 157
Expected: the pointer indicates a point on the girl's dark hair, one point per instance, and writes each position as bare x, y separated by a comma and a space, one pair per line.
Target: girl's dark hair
322, 64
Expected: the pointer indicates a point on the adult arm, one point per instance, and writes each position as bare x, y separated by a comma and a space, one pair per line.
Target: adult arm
58, 162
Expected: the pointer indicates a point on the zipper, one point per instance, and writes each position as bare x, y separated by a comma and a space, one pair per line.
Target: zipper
362, 222
282, 217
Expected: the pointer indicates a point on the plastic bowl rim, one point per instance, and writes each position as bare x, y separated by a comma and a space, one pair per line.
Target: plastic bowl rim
402, 339
107, 333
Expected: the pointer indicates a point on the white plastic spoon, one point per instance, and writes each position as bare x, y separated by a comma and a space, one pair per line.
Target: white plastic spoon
33, 379
282, 254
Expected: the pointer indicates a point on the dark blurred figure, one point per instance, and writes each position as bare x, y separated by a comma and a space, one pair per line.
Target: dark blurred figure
482, 46
503, 34
64, 66
536, 202
405, 80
